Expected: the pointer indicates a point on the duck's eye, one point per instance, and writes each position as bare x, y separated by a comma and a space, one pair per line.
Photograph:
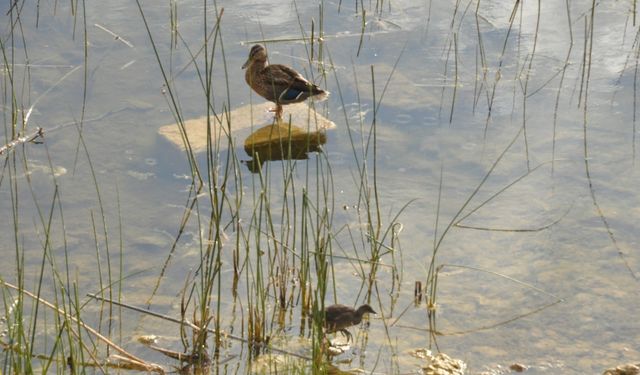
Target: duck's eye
255, 52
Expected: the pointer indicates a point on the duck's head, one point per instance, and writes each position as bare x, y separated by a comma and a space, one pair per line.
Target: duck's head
258, 54
365, 309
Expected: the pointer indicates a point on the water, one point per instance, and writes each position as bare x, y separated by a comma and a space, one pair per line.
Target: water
552, 285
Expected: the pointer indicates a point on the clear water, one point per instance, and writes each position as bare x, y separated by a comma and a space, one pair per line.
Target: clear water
581, 239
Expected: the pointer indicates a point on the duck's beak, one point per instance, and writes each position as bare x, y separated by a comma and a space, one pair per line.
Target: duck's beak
246, 64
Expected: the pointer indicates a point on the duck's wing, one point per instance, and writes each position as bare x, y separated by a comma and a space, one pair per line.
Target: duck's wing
338, 315
282, 75
332, 312
290, 85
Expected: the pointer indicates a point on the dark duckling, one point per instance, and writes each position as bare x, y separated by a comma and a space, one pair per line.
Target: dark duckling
339, 317
278, 83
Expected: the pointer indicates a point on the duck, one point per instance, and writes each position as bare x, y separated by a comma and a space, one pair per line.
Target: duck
278, 83
338, 317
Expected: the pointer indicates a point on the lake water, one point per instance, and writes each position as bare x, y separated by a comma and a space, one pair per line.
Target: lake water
545, 273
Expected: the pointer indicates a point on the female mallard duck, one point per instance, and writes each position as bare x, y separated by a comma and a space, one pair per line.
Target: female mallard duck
278, 83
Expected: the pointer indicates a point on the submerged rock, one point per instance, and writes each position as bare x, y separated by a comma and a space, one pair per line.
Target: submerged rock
239, 122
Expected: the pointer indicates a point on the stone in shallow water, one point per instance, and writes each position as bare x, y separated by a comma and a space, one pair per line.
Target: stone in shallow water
442, 364
439, 364
273, 140
242, 120
517, 367
628, 369
280, 141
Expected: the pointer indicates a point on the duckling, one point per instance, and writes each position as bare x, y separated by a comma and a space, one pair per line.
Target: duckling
339, 317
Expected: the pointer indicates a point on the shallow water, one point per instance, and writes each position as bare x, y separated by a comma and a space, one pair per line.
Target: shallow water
553, 283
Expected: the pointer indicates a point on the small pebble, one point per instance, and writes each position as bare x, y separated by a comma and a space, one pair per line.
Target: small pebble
516, 367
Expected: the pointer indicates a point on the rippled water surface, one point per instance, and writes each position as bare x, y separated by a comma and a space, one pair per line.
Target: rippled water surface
516, 125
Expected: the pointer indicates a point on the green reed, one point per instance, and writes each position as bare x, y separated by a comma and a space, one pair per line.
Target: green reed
278, 243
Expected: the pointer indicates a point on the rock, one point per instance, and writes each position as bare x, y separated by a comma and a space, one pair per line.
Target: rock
628, 369
517, 367
242, 120
442, 364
